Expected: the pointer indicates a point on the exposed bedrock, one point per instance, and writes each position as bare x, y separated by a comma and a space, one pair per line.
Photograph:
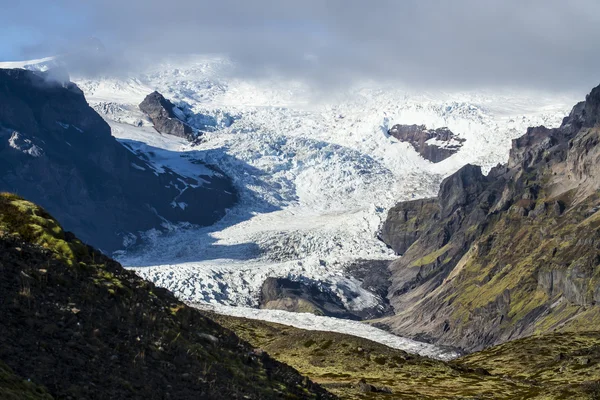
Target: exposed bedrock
161, 113
516, 252
434, 145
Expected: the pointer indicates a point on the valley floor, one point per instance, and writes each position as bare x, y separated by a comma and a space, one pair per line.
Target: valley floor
555, 366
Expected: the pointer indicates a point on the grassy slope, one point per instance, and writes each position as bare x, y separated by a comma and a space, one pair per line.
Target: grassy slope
517, 370
78, 323
13, 387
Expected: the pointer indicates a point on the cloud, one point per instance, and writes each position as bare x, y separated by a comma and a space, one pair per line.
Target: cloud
549, 44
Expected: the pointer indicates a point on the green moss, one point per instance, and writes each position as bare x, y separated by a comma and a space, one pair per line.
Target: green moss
13, 387
431, 257
33, 224
517, 250
345, 360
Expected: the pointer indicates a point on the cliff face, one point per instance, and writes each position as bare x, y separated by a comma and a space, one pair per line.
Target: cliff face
57, 151
434, 145
509, 254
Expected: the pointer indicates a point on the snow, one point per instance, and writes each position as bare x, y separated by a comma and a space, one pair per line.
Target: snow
41, 64
445, 144
18, 142
316, 175
348, 327
162, 151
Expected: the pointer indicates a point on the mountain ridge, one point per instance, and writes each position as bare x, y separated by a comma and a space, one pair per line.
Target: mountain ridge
498, 257
56, 150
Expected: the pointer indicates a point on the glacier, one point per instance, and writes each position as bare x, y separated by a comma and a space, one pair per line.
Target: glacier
316, 173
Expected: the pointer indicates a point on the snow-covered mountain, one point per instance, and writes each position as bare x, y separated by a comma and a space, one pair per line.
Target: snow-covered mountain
316, 172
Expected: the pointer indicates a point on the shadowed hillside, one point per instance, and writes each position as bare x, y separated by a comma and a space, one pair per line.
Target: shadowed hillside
77, 323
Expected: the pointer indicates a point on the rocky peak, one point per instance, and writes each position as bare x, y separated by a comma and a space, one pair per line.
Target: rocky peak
162, 114
549, 146
585, 114
434, 145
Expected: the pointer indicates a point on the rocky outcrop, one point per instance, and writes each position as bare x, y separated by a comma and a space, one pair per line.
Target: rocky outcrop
58, 152
502, 256
162, 114
434, 145
285, 294
406, 221
320, 299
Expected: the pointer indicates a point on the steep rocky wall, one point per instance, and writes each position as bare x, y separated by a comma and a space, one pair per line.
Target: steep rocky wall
510, 254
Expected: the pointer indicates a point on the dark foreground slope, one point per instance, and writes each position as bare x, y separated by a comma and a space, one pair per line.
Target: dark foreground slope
56, 151
78, 324
507, 255
554, 366
13, 387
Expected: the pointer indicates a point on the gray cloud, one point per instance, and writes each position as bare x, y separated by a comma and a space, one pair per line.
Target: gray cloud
548, 44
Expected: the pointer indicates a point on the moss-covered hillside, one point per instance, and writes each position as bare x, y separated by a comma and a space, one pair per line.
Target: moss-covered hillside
79, 325
556, 366
75, 324
13, 387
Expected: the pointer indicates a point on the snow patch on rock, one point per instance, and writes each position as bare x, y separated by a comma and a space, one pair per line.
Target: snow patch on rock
21, 143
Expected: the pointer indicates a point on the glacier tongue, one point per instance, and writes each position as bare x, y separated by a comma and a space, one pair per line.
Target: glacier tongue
348, 327
316, 174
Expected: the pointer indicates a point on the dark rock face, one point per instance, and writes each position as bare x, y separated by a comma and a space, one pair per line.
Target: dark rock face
406, 221
288, 295
374, 276
319, 299
160, 111
418, 135
55, 150
502, 256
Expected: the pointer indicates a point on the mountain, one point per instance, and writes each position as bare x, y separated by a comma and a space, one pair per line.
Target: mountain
57, 151
509, 254
315, 173
75, 324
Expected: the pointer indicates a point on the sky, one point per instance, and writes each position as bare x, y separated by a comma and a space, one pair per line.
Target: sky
539, 44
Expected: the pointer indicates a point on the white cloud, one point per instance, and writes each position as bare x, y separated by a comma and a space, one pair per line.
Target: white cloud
547, 44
